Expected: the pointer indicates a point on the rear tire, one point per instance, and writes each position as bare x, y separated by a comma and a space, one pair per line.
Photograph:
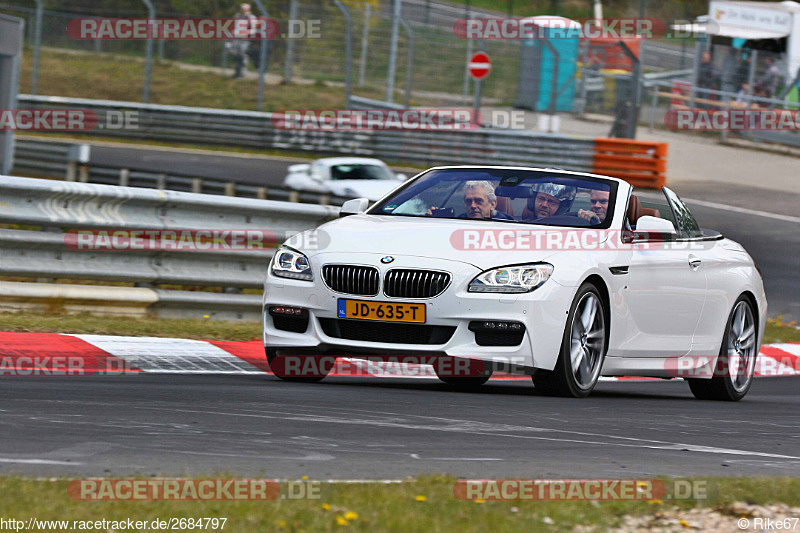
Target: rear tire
733, 373
583, 349
301, 370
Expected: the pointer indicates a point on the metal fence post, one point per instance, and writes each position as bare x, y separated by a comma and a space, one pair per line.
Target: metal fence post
751, 75
287, 69
13, 29
466, 68
262, 60
653, 108
409, 60
396, 6
469, 56
695, 73
148, 64
362, 67
37, 45
348, 51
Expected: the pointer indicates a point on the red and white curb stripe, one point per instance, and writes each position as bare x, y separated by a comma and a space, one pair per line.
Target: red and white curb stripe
109, 354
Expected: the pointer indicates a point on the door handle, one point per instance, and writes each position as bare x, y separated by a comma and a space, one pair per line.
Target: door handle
694, 262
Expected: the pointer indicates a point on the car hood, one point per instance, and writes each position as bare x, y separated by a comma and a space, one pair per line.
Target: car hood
370, 189
414, 237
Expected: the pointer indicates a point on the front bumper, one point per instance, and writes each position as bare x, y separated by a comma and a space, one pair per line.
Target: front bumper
542, 312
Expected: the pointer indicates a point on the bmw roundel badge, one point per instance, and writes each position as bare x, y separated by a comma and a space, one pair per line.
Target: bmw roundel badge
386, 260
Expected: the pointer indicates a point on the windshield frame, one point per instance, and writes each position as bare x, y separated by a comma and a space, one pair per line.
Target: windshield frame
613, 185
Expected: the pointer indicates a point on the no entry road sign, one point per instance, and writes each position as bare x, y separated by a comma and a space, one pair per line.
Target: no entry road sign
479, 66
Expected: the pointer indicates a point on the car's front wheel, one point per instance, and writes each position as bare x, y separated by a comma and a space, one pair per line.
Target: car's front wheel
583, 349
733, 373
300, 368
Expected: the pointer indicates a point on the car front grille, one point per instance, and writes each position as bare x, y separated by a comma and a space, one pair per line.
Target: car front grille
415, 283
362, 330
351, 279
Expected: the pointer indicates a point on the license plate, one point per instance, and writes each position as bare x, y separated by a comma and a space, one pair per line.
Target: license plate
382, 311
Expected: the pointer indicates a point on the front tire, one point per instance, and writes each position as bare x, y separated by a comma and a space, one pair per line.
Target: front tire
299, 368
583, 349
733, 373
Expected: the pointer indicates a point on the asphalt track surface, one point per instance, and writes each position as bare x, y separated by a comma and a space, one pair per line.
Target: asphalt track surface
773, 243
375, 428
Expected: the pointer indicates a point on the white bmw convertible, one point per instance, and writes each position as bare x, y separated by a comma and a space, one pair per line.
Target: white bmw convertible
564, 276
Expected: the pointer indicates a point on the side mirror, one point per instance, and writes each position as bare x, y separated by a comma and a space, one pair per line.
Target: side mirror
354, 207
401, 177
654, 229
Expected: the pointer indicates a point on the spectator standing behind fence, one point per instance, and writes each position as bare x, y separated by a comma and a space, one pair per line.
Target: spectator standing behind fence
706, 77
242, 49
769, 80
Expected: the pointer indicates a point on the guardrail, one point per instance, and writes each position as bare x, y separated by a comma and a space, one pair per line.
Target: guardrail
70, 161
59, 206
255, 130
640, 163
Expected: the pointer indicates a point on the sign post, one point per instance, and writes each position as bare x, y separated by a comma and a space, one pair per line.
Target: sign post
479, 67
11, 33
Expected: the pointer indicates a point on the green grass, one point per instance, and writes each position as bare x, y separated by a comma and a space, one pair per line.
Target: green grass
378, 507
58, 322
138, 327
114, 77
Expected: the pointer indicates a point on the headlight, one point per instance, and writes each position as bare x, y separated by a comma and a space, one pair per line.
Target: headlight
288, 263
524, 278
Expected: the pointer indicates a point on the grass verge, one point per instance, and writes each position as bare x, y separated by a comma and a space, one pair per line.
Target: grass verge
776, 330
188, 328
423, 504
106, 76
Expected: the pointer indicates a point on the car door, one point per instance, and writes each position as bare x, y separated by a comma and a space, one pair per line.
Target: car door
665, 290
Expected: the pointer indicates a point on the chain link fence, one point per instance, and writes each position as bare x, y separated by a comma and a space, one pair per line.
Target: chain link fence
436, 67
430, 60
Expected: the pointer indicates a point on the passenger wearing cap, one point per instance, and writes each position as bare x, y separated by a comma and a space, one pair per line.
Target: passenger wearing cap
551, 199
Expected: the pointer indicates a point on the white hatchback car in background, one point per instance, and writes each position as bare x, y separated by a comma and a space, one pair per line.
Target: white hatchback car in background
354, 177
566, 275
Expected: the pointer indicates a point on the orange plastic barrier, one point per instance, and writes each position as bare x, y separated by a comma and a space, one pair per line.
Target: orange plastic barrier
640, 163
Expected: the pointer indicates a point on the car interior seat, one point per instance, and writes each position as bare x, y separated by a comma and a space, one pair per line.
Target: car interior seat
636, 211
504, 205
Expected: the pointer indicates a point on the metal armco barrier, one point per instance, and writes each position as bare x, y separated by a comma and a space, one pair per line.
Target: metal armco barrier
70, 161
255, 130
480, 146
640, 163
58, 206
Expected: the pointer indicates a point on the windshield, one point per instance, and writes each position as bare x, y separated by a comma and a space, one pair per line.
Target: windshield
506, 195
360, 172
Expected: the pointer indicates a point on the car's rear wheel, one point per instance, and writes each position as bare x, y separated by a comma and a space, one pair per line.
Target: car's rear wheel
462, 373
583, 349
299, 368
733, 373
